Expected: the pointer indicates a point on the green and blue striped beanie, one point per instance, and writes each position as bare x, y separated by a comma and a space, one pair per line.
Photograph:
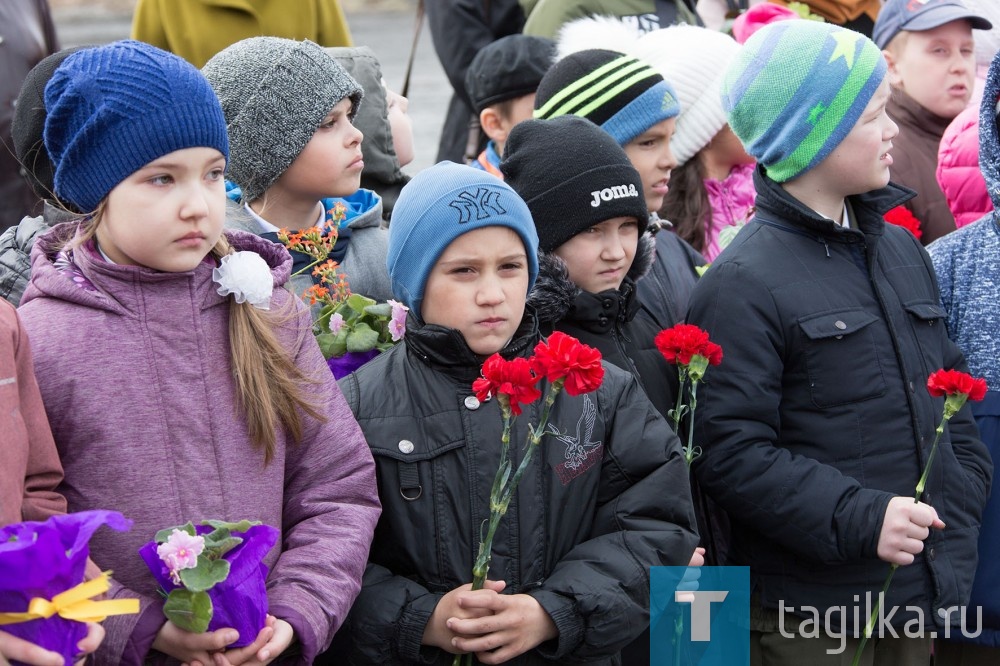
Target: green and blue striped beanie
796, 89
623, 95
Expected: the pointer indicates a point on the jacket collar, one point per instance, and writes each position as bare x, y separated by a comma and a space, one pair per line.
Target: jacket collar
910, 112
776, 206
445, 349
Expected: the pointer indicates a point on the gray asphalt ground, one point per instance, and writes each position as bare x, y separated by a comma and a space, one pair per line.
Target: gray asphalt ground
388, 32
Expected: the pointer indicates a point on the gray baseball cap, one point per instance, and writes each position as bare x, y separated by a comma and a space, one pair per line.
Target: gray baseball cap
918, 15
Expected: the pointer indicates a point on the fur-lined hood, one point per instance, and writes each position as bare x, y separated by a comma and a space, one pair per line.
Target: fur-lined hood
554, 294
989, 133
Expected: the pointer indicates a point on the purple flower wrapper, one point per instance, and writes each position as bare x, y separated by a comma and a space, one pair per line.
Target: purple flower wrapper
43, 560
341, 366
240, 601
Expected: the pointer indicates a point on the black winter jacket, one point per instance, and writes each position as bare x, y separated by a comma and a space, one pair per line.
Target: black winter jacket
613, 321
606, 499
666, 289
819, 412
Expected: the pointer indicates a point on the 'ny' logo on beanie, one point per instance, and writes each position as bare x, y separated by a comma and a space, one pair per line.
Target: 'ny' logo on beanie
479, 205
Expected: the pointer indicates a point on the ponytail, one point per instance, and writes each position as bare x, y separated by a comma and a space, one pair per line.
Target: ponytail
267, 380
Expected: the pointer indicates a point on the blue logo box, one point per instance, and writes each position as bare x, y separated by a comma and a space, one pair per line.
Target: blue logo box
699, 616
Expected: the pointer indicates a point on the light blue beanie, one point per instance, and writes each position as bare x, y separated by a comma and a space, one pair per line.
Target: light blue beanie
437, 206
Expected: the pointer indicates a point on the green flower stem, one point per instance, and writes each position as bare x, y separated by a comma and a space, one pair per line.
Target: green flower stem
504, 487
951, 407
305, 268
689, 452
681, 381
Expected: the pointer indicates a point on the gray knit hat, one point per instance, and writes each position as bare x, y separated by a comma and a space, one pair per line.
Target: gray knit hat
275, 93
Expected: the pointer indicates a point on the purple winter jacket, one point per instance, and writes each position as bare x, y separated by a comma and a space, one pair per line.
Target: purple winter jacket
136, 380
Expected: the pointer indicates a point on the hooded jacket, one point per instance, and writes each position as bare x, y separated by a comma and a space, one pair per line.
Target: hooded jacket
382, 173
966, 264
613, 465
819, 413
666, 289
134, 369
615, 321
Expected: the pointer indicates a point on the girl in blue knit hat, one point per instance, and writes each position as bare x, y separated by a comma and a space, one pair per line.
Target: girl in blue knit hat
569, 579
182, 383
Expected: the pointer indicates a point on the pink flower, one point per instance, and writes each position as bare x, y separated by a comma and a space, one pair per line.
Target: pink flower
180, 551
336, 321
397, 326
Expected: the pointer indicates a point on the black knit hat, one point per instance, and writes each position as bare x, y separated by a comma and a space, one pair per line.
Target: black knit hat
572, 175
508, 68
28, 123
622, 94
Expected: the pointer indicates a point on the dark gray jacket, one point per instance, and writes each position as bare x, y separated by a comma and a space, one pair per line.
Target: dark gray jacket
615, 468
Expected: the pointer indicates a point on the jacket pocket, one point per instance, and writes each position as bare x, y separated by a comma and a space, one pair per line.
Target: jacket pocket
842, 358
927, 319
408, 466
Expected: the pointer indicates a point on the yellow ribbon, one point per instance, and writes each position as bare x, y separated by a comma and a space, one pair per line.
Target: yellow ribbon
75, 604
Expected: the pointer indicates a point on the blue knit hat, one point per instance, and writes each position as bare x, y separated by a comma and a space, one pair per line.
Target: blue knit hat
623, 95
796, 89
437, 206
113, 109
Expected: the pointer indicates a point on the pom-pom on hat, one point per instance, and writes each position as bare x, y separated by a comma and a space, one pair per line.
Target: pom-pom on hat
437, 206
275, 93
796, 89
916, 16
508, 68
113, 109
694, 60
572, 175
622, 94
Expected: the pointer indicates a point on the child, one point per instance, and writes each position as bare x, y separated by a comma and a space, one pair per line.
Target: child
501, 82
712, 186
591, 249
289, 110
932, 69
188, 399
817, 425
386, 124
630, 101
576, 590
966, 266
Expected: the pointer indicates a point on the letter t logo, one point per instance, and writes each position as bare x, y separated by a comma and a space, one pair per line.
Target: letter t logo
701, 611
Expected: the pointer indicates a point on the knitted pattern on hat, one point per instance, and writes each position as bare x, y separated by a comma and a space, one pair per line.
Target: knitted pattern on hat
437, 206
507, 68
275, 93
694, 60
113, 109
623, 95
796, 89
572, 175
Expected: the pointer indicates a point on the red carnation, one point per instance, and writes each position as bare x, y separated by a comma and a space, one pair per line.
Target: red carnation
902, 217
954, 382
512, 379
682, 342
564, 357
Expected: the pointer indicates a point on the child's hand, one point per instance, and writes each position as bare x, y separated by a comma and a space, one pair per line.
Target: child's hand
90, 642
272, 640
192, 649
904, 528
698, 558
436, 632
17, 649
511, 625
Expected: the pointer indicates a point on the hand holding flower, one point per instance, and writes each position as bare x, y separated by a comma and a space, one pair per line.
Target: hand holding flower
272, 640
437, 633
904, 528
512, 625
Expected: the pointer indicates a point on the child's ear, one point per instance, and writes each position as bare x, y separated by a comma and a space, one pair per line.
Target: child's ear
492, 124
895, 78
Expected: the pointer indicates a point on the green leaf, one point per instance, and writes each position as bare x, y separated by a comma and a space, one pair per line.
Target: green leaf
205, 575
379, 310
191, 611
328, 344
362, 338
163, 535
358, 303
339, 345
241, 526
323, 318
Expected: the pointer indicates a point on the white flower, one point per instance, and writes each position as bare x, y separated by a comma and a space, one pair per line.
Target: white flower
247, 277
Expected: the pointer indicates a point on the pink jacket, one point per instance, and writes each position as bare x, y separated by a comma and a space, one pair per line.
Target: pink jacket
958, 169
732, 201
29, 463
